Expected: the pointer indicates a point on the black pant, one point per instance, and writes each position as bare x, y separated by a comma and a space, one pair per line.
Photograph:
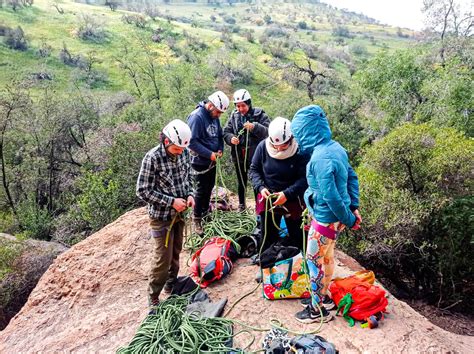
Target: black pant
295, 233
204, 182
242, 179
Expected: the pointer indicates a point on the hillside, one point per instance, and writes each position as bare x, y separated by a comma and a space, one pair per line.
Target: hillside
93, 298
51, 29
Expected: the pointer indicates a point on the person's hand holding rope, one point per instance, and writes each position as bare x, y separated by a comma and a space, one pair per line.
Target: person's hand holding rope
216, 155
190, 202
265, 193
249, 126
179, 204
234, 140
280, 198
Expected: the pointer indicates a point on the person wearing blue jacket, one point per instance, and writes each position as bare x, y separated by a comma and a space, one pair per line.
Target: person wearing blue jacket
332, 199
206, 146
278, 170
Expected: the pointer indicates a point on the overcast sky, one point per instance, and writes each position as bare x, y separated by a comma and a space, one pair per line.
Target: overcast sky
403, 13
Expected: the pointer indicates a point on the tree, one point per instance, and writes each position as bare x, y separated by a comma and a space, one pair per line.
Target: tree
12, 101
408, 86
58, 8
394, 83
452, 23
113, 5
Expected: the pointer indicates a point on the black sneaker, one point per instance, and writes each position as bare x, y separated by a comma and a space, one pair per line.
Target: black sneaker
309, 315
306, 302
328, 303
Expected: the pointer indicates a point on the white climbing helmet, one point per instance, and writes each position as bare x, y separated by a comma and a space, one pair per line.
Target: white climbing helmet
279, 131
241, 95
219, 100
178, 132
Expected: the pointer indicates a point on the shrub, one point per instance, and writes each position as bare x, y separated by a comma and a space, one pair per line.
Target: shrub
90, 28
358, 49
411, 182
44, 51
302, 25
35, 221
15, 39
229, 20
341, 31
4, 30
275, 31
135, 19
98, 202
67, 58
9, 251
249, 36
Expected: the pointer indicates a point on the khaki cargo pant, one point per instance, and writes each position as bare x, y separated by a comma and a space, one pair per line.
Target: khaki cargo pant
165, 260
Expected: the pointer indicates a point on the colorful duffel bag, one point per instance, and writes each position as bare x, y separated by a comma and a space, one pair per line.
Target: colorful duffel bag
286, 279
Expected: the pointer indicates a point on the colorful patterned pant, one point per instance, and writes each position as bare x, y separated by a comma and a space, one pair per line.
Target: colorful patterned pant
320, 260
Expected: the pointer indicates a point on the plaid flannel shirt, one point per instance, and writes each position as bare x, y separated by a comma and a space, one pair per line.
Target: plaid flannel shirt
161, 180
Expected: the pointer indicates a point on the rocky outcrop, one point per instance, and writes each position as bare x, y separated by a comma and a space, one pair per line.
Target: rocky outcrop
93, 297
33, 259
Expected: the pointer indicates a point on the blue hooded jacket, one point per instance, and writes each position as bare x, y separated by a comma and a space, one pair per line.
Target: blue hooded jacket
333, 187
206, 135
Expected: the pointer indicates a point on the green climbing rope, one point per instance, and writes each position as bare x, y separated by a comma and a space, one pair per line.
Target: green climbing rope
170, 329
229, 225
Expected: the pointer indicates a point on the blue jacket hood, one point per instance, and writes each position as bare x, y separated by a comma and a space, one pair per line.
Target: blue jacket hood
310, 127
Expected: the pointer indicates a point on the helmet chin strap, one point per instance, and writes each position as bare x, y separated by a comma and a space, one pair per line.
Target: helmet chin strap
164, 138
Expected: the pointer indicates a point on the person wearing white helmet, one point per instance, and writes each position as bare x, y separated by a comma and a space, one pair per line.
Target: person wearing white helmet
278, 175
246, 127
165, 184
206, 145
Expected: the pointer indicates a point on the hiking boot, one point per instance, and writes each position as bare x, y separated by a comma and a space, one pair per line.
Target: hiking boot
197, 224
168, 288
153, 302
328, 303
310, 315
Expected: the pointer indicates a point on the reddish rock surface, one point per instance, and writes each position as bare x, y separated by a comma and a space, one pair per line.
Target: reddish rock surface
93, 297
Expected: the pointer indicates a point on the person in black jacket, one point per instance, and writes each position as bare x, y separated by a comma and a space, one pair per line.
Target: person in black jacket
246, 127
206, 146
278, 172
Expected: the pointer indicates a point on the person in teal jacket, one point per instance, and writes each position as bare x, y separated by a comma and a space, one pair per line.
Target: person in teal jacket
332, 199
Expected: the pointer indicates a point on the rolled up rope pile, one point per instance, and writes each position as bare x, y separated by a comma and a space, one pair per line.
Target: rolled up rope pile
171, 330
229, 225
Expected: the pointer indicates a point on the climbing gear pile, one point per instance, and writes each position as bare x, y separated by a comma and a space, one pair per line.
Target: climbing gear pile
170, 329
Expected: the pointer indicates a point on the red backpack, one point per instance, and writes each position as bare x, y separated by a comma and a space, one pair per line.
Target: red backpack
360, 298
212, 261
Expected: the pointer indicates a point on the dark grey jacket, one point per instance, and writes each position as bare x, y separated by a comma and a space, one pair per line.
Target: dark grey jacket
235, 124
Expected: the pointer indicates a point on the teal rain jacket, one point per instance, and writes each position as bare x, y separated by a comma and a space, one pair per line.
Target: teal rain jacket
333, 187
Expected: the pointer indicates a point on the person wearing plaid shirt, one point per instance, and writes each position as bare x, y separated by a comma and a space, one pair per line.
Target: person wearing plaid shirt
164, 182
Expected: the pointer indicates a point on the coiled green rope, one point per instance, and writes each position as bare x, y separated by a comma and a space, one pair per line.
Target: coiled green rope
171, 330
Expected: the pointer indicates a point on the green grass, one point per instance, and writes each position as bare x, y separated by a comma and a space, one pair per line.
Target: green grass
43, 24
